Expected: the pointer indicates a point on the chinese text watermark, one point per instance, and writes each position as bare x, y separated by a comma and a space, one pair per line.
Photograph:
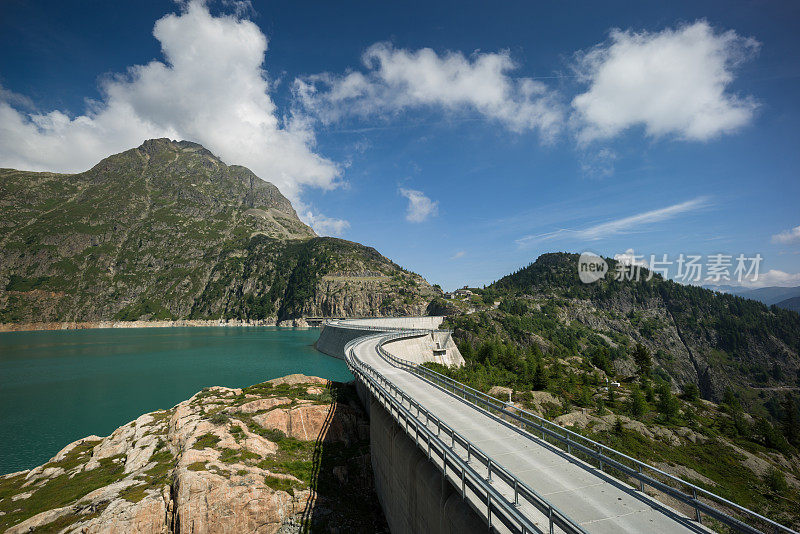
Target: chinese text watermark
688, 268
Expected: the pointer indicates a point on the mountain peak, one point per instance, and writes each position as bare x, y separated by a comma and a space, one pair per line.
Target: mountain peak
164, 144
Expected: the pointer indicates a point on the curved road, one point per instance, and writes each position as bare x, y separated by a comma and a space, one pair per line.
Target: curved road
591, 498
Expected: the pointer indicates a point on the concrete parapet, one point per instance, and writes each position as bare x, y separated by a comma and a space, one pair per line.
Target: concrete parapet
425, 322
332, 339
435, 347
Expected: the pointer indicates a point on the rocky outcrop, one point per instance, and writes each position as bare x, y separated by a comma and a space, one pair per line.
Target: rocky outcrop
260, 459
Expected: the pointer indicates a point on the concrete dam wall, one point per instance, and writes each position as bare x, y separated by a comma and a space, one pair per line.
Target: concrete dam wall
413, 493
436, 347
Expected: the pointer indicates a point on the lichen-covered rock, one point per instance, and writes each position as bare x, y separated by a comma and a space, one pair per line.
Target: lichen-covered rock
226, 460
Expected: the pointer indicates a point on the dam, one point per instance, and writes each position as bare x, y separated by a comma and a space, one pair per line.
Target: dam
451, 459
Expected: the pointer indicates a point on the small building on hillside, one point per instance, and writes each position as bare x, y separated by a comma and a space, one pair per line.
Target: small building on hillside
463, 292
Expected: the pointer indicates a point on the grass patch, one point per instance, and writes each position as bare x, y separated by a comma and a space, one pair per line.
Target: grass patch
197, 466
70, 519
258, 389
134, 493
281, 484
206, 441
61, 491
233, 456
79, 455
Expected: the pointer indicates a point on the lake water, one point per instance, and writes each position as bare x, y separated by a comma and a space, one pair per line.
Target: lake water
56, 387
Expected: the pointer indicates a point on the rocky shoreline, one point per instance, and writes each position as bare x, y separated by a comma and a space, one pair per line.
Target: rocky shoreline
287, 455
86, 325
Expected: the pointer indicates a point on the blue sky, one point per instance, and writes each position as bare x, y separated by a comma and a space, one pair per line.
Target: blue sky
460, 139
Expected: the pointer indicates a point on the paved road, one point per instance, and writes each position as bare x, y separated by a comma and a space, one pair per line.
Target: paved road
596, 501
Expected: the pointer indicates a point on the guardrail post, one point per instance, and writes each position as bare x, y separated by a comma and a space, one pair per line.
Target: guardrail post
489, 466
600, 456
641, 480
516, 493
469, 451
696, 509
489, 509
550, 518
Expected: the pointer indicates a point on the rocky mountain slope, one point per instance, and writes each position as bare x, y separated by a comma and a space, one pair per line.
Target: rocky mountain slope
169, 231
695, 335
268, 458
703, 385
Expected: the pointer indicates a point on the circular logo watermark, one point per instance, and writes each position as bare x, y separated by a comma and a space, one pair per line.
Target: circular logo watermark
591, 267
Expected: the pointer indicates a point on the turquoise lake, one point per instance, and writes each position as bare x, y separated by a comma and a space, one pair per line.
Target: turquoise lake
58, 386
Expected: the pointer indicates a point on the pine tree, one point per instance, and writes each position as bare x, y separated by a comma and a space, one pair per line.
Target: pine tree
540, 377
791, 427
691, 392
642, 359
667, 403
637, 405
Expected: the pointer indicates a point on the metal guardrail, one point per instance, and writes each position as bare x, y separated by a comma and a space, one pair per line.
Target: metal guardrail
604, 455
463, 475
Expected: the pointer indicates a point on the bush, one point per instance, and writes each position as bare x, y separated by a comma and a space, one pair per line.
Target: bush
219, 418
691, 392
776, 481
618, 428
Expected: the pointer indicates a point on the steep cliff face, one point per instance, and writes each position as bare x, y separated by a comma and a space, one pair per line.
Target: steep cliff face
266, 458
168, 231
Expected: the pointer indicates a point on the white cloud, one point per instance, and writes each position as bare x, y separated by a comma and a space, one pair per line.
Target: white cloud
457, 255
322, 224
15, 99
772, 277
420, 207
629, 257
599, 164
210, 88
787, 236
634, 222
624, 225
673, 82
397, 79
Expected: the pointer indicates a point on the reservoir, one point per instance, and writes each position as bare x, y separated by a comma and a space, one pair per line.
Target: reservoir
58, 386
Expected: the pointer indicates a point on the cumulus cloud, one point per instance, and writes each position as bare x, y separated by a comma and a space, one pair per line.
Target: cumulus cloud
322, 224
394, 80
420, 207
787, 236
673, 82
210, 87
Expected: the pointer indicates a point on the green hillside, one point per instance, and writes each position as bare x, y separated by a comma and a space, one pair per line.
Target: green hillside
169, 231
